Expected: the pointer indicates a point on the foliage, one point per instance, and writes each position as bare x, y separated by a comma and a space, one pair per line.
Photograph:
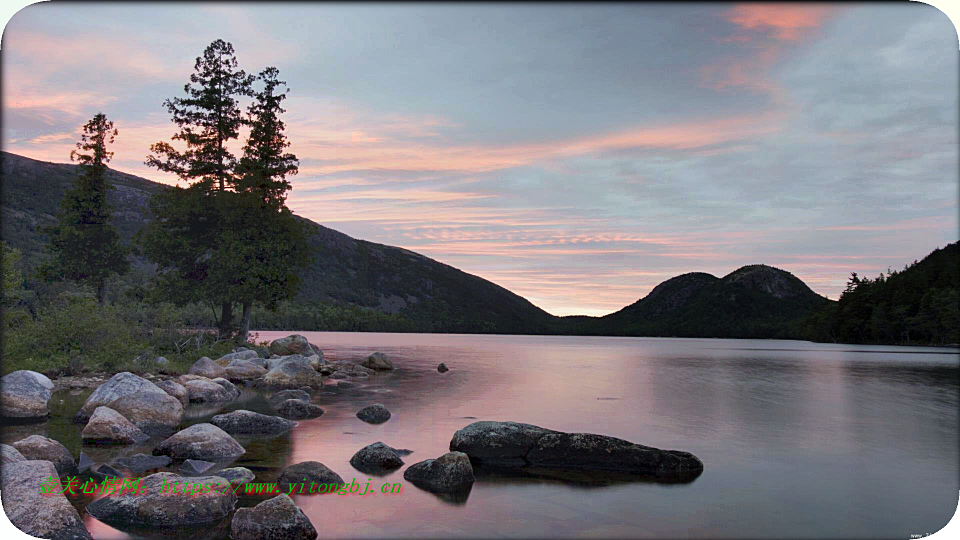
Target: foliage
84, 246
12, 278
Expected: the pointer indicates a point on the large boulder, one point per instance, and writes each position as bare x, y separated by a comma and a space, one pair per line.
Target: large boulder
10, 454
376, 459
43, 515
512, 444
206, 367
292, 375
374, 414
200, 441
251, 423
42, 379
377, 361
278, 518
40, 447
448, 473
307, 471
207, 391
162, 502
176, 390
23, 396
294, 344
107, 426
121, 385
297, 409
153, 413
244, 370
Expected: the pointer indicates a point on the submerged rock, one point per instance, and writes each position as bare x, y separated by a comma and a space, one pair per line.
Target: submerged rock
206, 367
84, 463
278, 518
298, 409
518, 445
107, 426
377, 361
251, 423
104, 471
374, 414
195, 466
442, 368
43, 515
200, 441
376, 459
307, 471
346, 384
284, 395
23, 396
158, 505
37, 447
142, 462
448, 473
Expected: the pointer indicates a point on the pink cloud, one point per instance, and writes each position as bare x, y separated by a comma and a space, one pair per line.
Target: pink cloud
785, 22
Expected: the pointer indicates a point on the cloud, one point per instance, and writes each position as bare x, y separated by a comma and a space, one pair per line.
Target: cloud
784, 22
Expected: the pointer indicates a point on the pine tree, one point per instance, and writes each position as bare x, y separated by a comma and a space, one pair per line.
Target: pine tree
209, 117
84, 246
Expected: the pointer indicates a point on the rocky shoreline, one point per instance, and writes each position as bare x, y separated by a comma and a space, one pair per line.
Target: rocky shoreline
130, 410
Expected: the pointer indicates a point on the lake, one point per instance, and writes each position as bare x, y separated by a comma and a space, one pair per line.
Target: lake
797, 439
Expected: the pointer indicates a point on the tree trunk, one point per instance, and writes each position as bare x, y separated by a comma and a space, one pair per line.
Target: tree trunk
226, 318
244, 324
102, 292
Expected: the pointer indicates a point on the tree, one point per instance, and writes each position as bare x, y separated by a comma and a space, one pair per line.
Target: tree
208, 118
270, 245
84, 246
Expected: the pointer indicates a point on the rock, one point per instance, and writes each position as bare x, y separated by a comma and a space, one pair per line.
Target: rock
251, 423
374, 414
442, 368
206, 367
153, 413
184, 379
339, 375
244, 370
43, 515
84, 463
298, 409
315, 361
448, 473
346, 384
207, 391
376, 459
195, 466
11, 454
176, 390
232, 390
307, 471
142, 462
518, 445
104, 471
263, 352
42, 379
110, 427
161, 361
309, 390
23, 396
292, 344
271, 363
121, 385
39, 447
200, 441
326, 370
284, 395
500, 443
377, 361
292, 375
248, 355
211, 499
274, 519
236, 475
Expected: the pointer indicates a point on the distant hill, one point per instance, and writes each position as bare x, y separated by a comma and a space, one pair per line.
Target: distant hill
755, 301
431, 295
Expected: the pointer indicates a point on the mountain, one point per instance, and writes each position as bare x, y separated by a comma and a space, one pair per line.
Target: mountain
431, 295
755, 301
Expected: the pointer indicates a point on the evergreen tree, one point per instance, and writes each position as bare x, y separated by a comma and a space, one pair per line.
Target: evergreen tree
209, 117
84, 246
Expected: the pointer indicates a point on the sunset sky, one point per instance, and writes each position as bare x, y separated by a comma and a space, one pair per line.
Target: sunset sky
577, 155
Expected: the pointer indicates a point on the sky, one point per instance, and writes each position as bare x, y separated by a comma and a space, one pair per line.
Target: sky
576, 154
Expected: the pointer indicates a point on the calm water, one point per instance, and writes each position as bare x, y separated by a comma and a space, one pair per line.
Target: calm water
797, 439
